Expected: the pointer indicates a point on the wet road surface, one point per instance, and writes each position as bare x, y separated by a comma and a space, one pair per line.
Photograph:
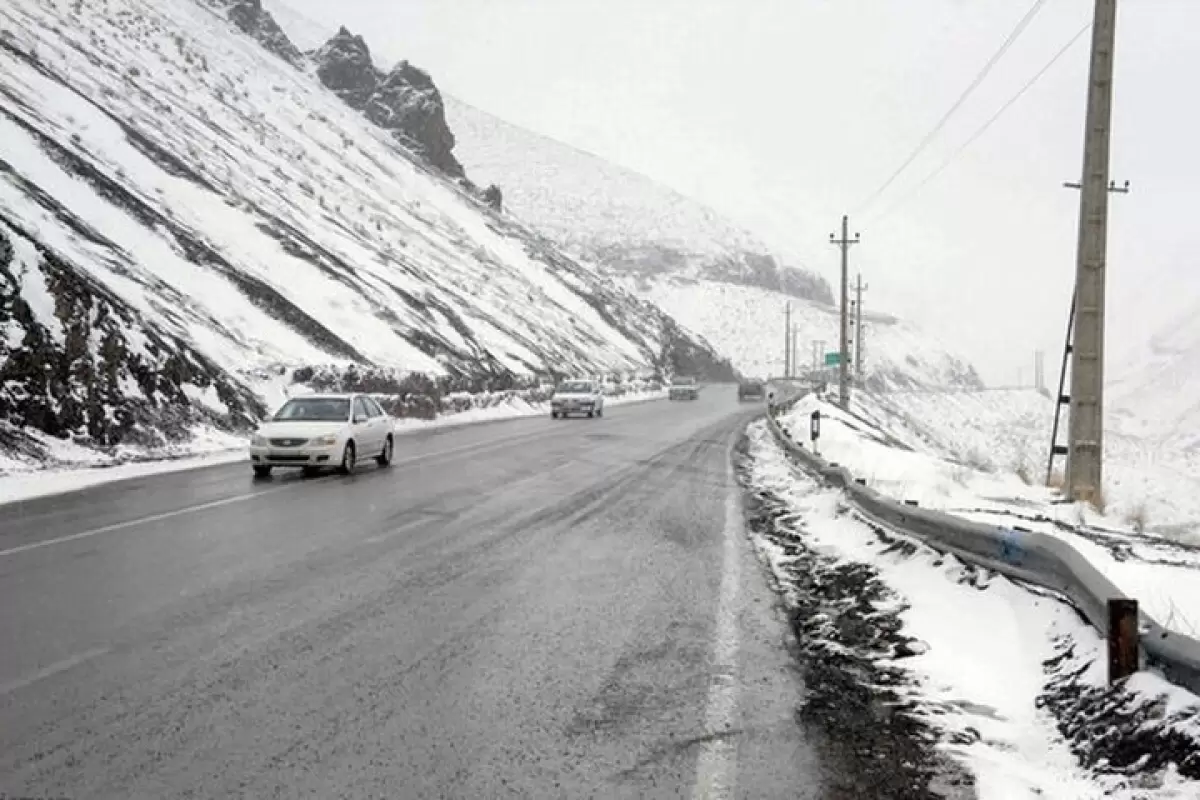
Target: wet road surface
534, 608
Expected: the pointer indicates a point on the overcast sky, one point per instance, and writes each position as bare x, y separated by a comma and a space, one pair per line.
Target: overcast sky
785, 114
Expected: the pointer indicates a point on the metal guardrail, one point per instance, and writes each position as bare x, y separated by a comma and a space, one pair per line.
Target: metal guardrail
1028, 556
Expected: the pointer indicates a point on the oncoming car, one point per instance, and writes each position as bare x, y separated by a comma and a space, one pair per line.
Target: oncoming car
684, 388
577, 397
323, 430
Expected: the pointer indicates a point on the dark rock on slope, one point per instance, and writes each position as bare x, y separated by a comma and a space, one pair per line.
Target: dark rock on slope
404, 101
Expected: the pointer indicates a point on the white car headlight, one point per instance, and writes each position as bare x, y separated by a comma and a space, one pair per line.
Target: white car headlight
325, 441
258, 441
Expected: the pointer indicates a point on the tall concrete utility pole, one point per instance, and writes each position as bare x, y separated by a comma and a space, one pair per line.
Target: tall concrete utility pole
1085, 447
795, 352
858, 331
844, 350
787, 341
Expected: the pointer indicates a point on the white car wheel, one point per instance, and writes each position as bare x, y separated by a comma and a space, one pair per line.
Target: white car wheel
349, 459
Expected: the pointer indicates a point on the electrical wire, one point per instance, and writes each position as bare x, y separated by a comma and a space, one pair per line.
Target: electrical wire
984, 128
962, 98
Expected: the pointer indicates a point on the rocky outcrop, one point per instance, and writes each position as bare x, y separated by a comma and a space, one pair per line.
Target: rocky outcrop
404, 101
78, 363
764, 272
494, 197
344, 66
256, 22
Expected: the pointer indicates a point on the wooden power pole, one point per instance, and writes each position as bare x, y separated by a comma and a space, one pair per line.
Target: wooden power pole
1085, 447
844, 350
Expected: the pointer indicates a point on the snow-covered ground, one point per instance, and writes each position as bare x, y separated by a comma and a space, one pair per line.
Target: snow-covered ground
966, 453
746, 324
985, 660
77, 468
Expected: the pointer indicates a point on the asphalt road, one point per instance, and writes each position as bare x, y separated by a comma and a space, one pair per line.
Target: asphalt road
534, 608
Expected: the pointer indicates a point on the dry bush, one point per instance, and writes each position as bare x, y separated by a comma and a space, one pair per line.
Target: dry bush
1024, 470
979, 461
1137, 517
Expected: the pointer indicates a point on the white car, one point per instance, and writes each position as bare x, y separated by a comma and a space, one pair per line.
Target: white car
323, 430
577, 397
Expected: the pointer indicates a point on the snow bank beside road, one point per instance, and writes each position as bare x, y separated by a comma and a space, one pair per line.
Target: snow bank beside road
947, 464
964, 653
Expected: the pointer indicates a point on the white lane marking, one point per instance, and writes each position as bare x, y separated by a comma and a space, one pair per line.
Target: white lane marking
53, 669
716, 766
117, 526
179, 512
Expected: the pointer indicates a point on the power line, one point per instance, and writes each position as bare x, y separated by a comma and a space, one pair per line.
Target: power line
962, 98
984, 128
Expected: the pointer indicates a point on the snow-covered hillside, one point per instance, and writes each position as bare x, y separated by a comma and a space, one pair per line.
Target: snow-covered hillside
184, 207
1154, 390
747, 324
1008, 432
614, 216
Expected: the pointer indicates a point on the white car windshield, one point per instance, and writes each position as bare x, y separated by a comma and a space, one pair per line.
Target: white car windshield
575, 387
315, 409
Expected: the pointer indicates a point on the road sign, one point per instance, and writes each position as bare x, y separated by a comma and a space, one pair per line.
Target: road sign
833, 359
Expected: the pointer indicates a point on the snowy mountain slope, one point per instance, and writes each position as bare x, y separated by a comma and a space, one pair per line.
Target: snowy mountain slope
747, 324
226, 214
1154, 390
1009, 431
614, 216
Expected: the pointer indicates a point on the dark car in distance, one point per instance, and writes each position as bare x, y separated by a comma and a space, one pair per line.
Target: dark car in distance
751, 390
684, 388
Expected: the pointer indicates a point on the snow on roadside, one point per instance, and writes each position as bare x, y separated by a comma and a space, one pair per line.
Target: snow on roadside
983, 660
956, 471
80, 468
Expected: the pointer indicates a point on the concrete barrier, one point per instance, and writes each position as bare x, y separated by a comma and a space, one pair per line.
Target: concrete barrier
1035, 558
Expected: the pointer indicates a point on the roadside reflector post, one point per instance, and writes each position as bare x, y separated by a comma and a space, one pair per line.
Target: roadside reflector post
1122, 638
814, 428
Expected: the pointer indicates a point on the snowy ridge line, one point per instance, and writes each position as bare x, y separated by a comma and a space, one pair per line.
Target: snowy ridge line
1023, 555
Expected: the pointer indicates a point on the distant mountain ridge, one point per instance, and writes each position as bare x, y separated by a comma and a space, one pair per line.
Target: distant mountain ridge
613, 216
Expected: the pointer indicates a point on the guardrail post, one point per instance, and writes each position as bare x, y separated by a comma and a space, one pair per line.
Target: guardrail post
1122, 638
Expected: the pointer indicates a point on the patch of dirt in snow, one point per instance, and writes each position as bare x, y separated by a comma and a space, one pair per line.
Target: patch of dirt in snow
846, 623
1143, 727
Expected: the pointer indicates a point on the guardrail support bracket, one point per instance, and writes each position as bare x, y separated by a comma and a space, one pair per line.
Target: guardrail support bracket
1122, 638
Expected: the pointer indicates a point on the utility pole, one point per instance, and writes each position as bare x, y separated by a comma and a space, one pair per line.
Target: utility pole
787, 341
858, 332
1085, 448
795, 352
844, 350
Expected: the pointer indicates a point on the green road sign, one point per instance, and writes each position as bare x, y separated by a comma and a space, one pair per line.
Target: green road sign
833, 359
